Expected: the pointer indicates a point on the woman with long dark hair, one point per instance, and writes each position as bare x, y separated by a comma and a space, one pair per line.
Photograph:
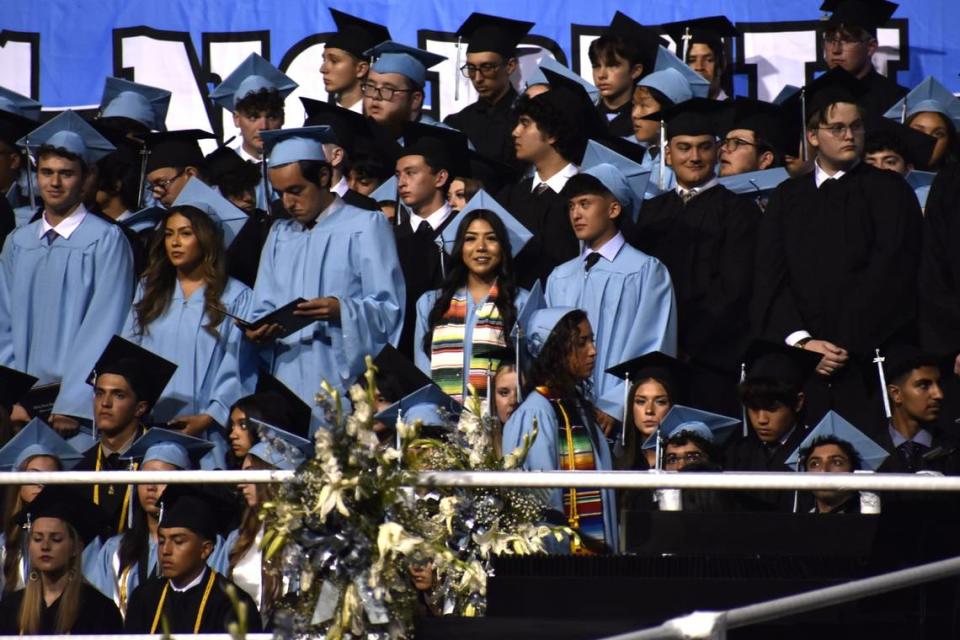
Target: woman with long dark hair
36, 447
182, 312
462, 326
56, 599
557, 404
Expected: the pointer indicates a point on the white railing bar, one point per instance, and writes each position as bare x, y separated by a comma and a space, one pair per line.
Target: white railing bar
729, 480
816, 599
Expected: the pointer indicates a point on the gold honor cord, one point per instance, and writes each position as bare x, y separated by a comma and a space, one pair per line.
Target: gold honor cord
203, 604
126, 495
574, 517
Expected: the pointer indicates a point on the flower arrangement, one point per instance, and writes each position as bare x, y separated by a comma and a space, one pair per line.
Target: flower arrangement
364, 549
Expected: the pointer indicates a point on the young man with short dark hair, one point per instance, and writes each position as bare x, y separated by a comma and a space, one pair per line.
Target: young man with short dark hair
345, 66
393, 91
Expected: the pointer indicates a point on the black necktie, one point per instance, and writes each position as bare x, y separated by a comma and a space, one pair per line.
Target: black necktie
591, 260
50, 236
541, 188
910, 452
424, 230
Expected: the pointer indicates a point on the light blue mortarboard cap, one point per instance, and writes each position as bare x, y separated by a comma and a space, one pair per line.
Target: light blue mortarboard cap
198, 194
921, 181
252, 75
69, 131
283, 146
712, 427
785, 94
541, 325
929, 95
426, 405
278, 447
125, 99
699, 85
670, 82
539, 77
37, 439
410, 62
165, 445
755, 182
534, 302
519, 234
871, 454
625, 179
20, 105
386, 192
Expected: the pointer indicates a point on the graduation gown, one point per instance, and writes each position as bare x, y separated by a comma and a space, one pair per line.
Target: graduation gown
631, 308
708, 246
489, 127
882, 93
420, 257
360, 201
543, 454
61, 303
348, 254
243, 254
181, 608
545, 216
110, 497
96, 614
621, 122
8, 222
425, 304
748, 453
840, 262
210, 370
939, 279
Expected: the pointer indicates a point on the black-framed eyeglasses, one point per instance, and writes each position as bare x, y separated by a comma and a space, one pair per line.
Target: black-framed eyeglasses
487, 69
381, 93
840, 130
735, 143
161, 185
689, 457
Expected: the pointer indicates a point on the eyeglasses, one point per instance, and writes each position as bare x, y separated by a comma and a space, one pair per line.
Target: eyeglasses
381, 93
846, 43
733, 144
161, 185
689, 457
487, 69
838, 131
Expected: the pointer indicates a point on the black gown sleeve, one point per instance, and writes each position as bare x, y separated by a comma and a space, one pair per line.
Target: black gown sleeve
939, 279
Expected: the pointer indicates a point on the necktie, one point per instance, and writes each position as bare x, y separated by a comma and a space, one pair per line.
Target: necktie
50, 236
424, 230
910, 453
590, 261
543, 186
686, 196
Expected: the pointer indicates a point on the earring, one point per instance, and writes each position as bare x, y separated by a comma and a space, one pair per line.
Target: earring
34, 575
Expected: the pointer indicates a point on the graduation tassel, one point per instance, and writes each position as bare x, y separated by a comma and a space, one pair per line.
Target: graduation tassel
266, 185
663, 159
883, 383
626, 408
743, 407
396, 209
686, 38
489, 387
903, 111
144, 153
133, 467
456, 85
657, 454
397, 428
443, 268
803, 116
30, 194
796, 494
516, 347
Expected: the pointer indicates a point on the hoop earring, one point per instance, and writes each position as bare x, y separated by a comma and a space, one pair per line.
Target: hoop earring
34, 575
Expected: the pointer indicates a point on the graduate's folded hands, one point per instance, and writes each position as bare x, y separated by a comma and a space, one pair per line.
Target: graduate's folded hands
834, 357
327, 308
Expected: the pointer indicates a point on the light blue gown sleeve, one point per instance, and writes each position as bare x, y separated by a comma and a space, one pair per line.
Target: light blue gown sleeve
107, 309
219, 560
99, 570
7, 259
228, 384
424, 306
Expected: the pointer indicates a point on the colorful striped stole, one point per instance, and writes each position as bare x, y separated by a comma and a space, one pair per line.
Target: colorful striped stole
447, 347
575, 452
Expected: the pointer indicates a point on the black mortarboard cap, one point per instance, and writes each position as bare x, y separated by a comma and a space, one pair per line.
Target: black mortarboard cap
492, 174
396, 375
866, 14
766, 121
67, 503
766, 360
356, 35
145, 372
709, 31
694, 117
669, 371
484, 32
297, 411
901, 359
13, 127
645, 38
447, 146
569, 98
13, 386
917, 145
207, 510
348, 126
836, 85
175, 149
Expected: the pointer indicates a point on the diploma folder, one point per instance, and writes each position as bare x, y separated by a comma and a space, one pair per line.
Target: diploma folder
283, 316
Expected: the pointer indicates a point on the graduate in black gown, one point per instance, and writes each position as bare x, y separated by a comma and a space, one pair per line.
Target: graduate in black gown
705, 234
849, 42
837, 256
425, 167
490, 61
190, 596
56, 599
701, 46
551, 134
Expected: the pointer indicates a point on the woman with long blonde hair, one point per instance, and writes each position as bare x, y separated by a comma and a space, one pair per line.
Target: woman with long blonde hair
56, 599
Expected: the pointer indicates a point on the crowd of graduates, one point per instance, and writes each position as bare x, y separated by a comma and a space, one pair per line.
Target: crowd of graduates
652, 273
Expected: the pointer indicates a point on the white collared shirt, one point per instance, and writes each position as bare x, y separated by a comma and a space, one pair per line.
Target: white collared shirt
242, 152
192, 584
356, 107
557, 181
67, 226
341, 187
609, 250
712, 182
820, 176
435, 219
123, 216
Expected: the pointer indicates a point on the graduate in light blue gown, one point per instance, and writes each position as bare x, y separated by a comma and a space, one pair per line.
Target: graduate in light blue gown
627, 294
19, 115
933, 109
182, 312
341, 259
471, 317
64, 289
127, 559
561, 342
36, 447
